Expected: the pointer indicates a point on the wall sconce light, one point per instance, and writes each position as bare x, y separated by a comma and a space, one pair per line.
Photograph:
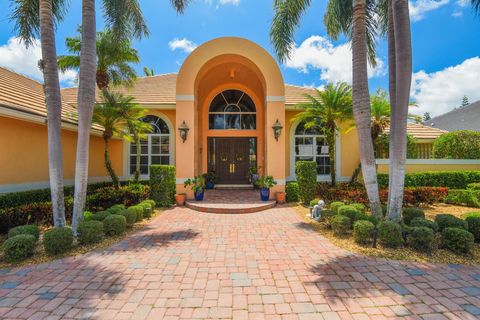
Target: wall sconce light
183, 129
277, 129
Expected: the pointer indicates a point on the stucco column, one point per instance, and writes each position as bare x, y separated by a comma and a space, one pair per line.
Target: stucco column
185, 152
275, 150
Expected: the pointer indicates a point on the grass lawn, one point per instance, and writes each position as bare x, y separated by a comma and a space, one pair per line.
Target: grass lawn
41, 257
438, 255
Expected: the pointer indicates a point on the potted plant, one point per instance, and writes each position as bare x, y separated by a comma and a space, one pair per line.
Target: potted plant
253, 175
210, 178
197, 184
265, 183
180, 199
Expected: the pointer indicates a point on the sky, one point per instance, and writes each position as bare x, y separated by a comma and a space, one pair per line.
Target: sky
445, 39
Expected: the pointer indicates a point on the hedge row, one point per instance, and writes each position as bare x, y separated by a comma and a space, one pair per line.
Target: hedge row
448, 179
163, 184
41, 212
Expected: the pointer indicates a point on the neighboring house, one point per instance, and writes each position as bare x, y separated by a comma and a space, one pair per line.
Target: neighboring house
461, 118
229, 92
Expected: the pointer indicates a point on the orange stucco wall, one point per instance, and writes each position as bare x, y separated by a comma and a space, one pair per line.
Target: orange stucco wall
24, 156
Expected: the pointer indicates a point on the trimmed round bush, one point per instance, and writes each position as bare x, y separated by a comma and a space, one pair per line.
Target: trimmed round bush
58, 240
139, 210
114, 225
359, 206
390, 234
326, 215
19, 247
30, 229
87, 215
362, 231
314, 202
420, 222
366, 217
421, 238
100, 216
116, 209
90, 232
130, 215
474, 227
152, 203
340, 225
147, 209
457, 240
411, 213
348, 211
450, 221
335, 205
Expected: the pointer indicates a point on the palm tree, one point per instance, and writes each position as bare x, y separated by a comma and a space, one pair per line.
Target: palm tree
148, 72
33, 18
114, 59
325, 110
125, 19
476, 6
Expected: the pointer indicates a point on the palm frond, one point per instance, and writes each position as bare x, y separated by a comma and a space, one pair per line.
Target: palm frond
285, 22
68, 62
476, 6
180, 5
125, 18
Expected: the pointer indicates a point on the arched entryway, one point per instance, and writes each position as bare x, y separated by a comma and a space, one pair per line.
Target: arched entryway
241, 69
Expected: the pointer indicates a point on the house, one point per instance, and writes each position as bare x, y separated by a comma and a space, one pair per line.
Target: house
462, 118
229, 94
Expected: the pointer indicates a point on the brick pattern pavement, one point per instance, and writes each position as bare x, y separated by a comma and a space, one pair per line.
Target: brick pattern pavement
266, 265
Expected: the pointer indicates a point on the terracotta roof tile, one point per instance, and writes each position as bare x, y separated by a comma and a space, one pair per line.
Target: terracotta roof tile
421, 131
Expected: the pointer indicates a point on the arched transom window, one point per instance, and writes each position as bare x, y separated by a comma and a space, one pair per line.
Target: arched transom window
232, 110
311, 145
155, 149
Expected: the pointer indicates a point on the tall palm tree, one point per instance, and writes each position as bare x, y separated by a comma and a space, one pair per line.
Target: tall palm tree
33, 18
114, 59
325, 110
125, 19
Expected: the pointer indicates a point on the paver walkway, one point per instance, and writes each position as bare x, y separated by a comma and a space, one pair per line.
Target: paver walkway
268, 265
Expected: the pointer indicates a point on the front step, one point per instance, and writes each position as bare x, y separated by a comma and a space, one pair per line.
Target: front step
229, 208
233, 187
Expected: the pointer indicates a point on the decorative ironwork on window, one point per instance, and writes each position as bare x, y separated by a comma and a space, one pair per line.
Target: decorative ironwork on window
311, 145
232, 110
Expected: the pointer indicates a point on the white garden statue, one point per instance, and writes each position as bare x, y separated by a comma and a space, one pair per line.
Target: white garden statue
316, 212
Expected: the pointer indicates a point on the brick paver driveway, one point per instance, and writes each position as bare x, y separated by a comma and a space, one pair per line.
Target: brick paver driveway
263, 265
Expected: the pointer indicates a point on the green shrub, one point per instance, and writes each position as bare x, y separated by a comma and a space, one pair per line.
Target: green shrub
326, 215
114, 225
340, 225
362, 231
116, 209
462, 144
474, 227
474, 186
421, 238
450, 221
383, 146
87, 215
360, 216
390, 234
314, 202
348, 211
465, 197
448, 179
100, 216
152, 203
471, 214
19, 247
90, 232
30, 229
292, 192
335, 205
359, 206
139, 210
162, 184
411, 213
147, 209
130, 215
58, 240
421, 222
457, 240
306, 172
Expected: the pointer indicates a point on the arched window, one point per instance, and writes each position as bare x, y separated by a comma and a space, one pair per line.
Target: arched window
232, 110
155, 149
311, 145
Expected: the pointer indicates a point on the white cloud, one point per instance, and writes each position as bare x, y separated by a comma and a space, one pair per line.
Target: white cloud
234, 2
182, 44
441, 91
420, 7
16, 57
334, 62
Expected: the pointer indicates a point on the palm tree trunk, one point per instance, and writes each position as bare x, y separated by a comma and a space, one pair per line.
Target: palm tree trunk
403, 80
361, 106
86, 100
330, 136
108, 164
54, 111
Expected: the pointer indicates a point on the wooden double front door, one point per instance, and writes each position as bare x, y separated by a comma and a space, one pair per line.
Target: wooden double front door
231, 158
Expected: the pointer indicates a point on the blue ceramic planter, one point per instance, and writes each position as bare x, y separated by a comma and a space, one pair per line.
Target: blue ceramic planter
199, 195
265, 194
209, 185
